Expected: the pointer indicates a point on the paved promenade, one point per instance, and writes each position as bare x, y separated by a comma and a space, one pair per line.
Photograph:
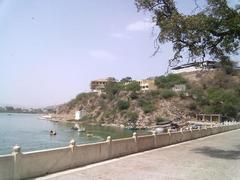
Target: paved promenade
215, 157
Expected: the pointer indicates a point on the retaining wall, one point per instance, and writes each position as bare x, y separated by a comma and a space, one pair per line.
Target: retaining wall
20, 165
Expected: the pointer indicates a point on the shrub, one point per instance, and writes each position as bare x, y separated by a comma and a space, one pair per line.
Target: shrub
160, 120
169, 81
122, 105
199, 96
225, 102
132, 118
167, 94
133, 95
113, 88
192, 106
147, 106
208, 109
228, 66
133, 86
182, 95
153, 93
103, 96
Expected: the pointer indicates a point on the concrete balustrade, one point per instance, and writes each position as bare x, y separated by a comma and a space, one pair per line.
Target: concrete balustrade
122, 147
20, 165
145, 143
162, 140
6, 167
196, 133
175, 137
186, 135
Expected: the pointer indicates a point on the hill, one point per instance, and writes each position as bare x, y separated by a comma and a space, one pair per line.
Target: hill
206, 92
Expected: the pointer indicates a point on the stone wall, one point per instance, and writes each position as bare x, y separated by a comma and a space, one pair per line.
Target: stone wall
20, 165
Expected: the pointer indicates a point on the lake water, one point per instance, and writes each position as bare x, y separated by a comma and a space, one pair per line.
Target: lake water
32, 133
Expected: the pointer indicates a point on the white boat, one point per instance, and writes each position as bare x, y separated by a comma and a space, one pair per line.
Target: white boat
76, 126
82, 129
45, 117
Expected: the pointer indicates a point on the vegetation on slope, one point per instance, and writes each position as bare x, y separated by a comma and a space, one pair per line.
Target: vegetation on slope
213, 92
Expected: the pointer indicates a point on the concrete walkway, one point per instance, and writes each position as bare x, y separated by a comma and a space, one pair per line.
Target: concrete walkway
215, 157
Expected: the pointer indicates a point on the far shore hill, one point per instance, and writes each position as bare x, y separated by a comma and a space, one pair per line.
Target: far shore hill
177, 98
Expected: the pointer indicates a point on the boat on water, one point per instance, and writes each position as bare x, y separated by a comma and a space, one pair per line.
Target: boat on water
78, 128
45, 117
89, 135
82, 129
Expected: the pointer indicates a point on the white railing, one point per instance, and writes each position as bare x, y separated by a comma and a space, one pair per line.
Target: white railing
20, 165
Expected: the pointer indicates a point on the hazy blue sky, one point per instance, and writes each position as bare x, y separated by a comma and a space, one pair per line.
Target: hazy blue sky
51, 50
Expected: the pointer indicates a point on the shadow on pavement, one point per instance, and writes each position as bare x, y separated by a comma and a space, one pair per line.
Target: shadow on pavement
218, 153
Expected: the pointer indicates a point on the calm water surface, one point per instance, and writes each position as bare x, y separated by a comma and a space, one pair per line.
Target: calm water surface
32, 133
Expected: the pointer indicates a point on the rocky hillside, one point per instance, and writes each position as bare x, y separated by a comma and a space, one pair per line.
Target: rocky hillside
209, 92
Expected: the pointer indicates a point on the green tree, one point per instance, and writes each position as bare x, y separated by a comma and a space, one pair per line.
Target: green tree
9, 109
122, 105
169, 81
112, 88
228, 66
146, 105
222, 101
133, 86
214, 30
126, 79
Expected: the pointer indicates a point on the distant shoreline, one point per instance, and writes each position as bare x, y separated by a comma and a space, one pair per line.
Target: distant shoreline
20, 113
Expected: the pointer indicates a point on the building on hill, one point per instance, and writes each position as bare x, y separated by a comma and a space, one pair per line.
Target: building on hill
179, 88
147, 85
98, 86
196, 66
217, 118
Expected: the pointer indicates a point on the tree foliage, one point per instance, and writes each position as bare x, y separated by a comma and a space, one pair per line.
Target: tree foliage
169, 81
112, 88
122, 105
146, 105
133, 86
222, 101
132, 118
214, 31
126, 79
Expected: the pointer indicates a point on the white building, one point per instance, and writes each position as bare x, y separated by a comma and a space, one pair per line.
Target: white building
80, 114
179, 88
196, 66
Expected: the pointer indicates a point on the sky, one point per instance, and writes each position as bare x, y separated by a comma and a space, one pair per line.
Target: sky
51, 50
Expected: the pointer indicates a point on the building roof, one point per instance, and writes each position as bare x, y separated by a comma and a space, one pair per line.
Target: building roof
207, 63
100, 80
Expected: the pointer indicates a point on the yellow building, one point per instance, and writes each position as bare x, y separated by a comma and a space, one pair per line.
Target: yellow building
99, 85
147, 85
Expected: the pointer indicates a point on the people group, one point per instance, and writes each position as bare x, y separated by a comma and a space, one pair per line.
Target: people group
53, 133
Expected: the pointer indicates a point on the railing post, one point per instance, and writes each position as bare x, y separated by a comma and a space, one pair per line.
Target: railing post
181, 130
72, 144
190, 129
109, 142
154, 133
135, 141
17, 158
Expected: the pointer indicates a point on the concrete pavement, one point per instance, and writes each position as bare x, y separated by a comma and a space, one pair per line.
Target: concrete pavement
213, 157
